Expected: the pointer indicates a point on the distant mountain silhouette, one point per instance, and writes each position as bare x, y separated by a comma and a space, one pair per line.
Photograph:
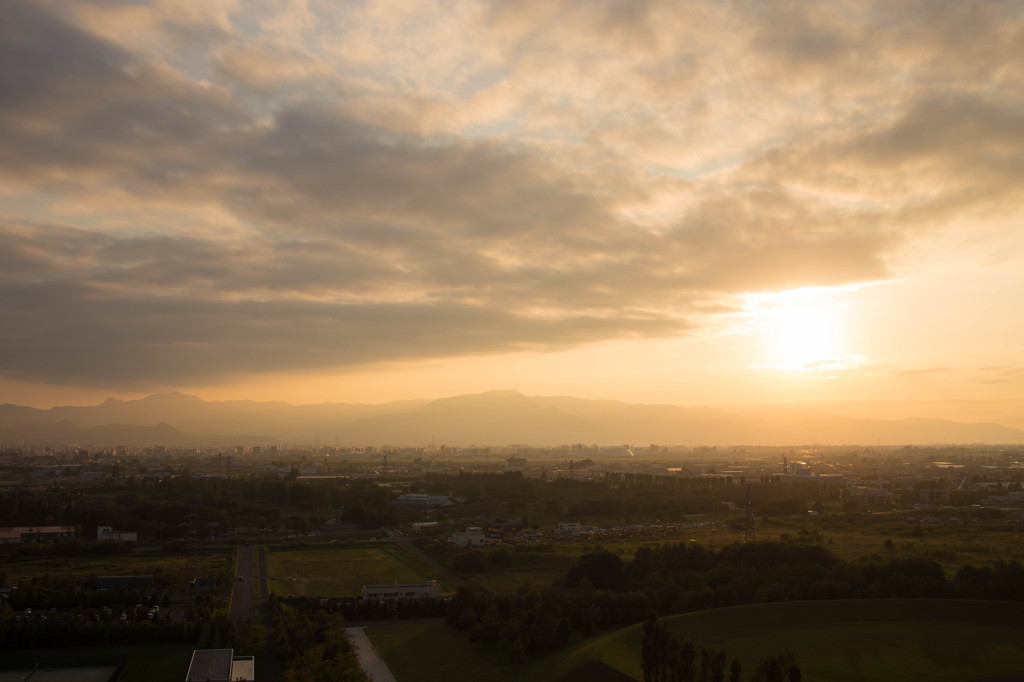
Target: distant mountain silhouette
65, 432
492, 418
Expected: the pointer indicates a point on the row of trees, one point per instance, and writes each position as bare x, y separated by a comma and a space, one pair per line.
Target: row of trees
358, 609
74, 629
665, 658
311, 647
185, 507
603, 591
680, 577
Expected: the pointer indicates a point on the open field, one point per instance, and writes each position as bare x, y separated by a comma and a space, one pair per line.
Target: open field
342, 571
951, 546
536, 568
840, 641
145, 662
205, 564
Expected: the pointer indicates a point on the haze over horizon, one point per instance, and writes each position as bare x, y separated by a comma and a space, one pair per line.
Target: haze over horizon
685, 203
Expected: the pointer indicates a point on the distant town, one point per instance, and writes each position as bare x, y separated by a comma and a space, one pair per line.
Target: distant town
223, 554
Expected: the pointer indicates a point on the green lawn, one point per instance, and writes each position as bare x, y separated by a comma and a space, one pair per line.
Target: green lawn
341, 572
878, 640
531, 568
840, 641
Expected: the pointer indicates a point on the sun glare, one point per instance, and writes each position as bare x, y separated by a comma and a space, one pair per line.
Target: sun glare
800, 337
799, 329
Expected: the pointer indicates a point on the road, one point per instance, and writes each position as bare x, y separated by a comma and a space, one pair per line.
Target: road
249, 601
241, 595
369, 659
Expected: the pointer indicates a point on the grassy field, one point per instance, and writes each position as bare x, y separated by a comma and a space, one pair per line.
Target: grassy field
531, 568
205, 564
876, 640
145, 662
840, 641
436, 652
342, 572
951, 546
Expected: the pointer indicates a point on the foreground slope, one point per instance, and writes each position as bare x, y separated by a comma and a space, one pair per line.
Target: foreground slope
926, 640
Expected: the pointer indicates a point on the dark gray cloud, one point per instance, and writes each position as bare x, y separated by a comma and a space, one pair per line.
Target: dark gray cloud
91, 338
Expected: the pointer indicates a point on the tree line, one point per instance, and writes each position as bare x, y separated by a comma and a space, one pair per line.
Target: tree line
666, 658
603, 591
312, 647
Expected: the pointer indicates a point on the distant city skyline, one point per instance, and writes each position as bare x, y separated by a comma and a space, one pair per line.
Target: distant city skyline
689, 203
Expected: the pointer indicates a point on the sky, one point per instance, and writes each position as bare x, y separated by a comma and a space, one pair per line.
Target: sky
695, 203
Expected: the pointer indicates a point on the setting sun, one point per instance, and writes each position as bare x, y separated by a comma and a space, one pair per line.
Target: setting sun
799, 329
799, 337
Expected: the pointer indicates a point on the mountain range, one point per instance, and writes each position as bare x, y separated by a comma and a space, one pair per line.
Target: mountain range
493, 418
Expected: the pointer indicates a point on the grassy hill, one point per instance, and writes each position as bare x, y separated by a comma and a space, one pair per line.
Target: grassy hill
839, 641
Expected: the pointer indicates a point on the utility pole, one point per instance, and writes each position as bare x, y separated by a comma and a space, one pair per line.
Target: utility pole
749, 532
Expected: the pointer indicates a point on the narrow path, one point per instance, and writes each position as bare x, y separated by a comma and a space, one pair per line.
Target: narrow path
404, 541
369, 659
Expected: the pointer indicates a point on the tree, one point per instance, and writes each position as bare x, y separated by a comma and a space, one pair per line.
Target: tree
718, 667
778, 668
602, 568
251, 639
704, 674
517, 653
650, 650
735, 671
684, 662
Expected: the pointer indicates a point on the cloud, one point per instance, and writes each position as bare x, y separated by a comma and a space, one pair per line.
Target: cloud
235, 188
89, 337
997, 375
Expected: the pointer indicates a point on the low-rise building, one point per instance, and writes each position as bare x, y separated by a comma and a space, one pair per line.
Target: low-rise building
396, 592
108, 533
220, 665
473, 536
424, 501
36, 534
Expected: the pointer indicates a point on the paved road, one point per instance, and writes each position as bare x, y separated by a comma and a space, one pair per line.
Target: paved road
268, 668
264, 584
241, 596
369, 659
245, 606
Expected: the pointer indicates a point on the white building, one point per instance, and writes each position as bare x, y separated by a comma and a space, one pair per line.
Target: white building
108, 533
471, 537
396, 592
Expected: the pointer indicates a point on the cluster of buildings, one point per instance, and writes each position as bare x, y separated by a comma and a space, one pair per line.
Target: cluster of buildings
36, 534
46, 534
